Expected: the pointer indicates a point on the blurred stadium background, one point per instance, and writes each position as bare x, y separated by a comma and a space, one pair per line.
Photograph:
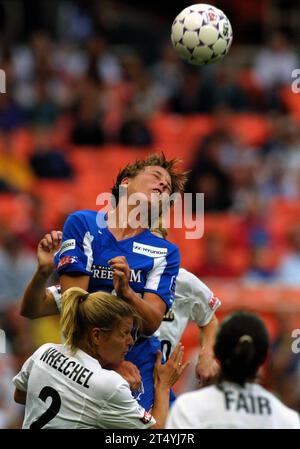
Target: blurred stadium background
92, 85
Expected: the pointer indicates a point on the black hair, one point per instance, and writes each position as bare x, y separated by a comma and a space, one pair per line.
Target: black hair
241, 346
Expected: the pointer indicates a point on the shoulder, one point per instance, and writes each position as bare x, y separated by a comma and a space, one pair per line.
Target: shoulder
43, 349
199, 398
285, 413
83, 215
189, 282
153, 239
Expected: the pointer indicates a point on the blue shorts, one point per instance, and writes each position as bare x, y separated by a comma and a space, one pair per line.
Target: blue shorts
143, 356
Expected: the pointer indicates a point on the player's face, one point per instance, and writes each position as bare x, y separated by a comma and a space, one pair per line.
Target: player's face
151, 180
114, 346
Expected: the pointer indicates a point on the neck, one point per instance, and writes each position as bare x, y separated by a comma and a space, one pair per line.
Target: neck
119, 224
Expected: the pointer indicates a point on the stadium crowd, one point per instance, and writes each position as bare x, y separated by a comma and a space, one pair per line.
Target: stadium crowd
76, 88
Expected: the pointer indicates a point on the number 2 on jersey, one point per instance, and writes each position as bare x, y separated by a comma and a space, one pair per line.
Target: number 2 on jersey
53, 409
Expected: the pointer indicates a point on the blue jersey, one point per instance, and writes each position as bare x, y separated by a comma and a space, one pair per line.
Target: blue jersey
87, 248
154, 263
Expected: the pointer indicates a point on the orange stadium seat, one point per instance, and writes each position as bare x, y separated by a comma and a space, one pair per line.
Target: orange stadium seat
291, 100
253, 129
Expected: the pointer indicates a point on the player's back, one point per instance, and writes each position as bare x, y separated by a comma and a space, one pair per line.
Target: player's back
230, 406
68, 391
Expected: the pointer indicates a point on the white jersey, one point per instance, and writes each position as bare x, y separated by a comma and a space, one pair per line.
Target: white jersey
67, 391
193, 301
231, 407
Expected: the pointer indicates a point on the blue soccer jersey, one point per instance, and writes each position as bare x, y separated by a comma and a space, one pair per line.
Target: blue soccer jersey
154, 263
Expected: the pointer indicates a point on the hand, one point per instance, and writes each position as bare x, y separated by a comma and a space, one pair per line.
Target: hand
130, 373
46, 249
167, 375
121, 275
207, 368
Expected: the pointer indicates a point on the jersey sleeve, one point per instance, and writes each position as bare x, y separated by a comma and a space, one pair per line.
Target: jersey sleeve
122, 411
21, 379
161, 280
204, 302
75, 254
55, 290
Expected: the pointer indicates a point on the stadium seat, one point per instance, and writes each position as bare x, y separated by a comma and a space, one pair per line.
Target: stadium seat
252, 129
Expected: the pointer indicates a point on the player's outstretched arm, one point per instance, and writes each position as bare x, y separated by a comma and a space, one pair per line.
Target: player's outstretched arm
165, 376
207, 367
37, 301
20, 396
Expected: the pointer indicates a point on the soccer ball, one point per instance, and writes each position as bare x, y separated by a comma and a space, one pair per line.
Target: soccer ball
201, 34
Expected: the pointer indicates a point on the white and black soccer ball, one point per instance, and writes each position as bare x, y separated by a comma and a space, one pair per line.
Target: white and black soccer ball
201, 34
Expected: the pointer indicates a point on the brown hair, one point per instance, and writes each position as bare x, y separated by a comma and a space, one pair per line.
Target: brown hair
82, 310
178, 178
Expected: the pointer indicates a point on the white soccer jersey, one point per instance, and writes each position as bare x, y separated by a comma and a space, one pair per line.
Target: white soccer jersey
72, 392
194, 301
231, 407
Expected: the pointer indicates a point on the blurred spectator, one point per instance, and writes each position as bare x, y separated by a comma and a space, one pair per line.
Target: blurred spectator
215, 262
273, 68
261, 267
15, 174
16, 268
194, 95
44, 110
87, 128
208, 177
47, 161
289, 266
10, 412
134, 130
102, 64
74, 22
274, 64
227, 91
11, 115
167, 71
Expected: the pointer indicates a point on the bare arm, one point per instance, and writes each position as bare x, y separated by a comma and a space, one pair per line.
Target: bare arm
37, 302
151, 307
20, 396
67, 281
207, 367
165, 376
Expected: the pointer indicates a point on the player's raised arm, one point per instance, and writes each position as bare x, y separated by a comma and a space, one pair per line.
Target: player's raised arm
37, 301
207, 366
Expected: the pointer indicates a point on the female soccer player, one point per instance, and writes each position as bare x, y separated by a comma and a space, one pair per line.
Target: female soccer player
237, 401
97, 251
74, 386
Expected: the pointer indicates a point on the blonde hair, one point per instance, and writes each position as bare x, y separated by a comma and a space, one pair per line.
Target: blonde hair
81, 310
